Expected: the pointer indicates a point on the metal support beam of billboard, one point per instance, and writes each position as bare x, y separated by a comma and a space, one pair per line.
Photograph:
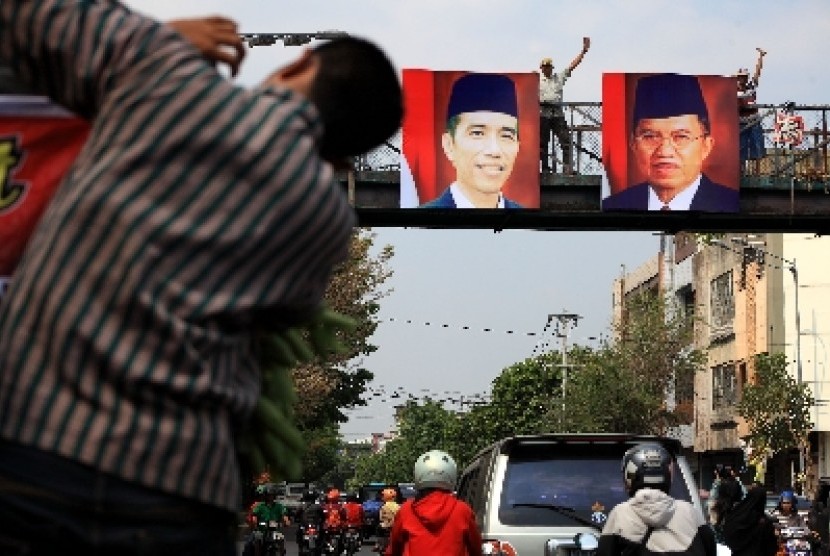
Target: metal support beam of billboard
289, 39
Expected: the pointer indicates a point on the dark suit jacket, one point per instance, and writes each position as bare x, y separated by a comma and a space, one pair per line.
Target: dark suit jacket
445, 200
710, 197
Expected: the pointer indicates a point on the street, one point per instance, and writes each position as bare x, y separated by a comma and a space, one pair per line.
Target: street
291, 545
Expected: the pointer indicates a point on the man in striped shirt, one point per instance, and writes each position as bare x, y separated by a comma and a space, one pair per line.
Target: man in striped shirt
197, 212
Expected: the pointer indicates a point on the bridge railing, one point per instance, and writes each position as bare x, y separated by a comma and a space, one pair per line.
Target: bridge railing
807, 164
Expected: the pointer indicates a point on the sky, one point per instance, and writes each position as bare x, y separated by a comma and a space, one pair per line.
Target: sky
510, 281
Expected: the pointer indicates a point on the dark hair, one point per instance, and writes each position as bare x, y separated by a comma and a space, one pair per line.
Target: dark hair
724, 471
730, 493
358, 95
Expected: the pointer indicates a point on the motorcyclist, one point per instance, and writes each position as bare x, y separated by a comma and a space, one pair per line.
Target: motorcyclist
786, 516
386, 515
261, 514
354, 511
786, 511
310, 514
652, 521
354, 516
334, 518
435, 521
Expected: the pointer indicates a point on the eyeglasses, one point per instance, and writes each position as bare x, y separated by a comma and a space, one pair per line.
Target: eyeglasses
678, 139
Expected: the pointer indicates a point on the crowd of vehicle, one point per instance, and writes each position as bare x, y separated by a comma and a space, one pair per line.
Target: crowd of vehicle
549, 494
325, 521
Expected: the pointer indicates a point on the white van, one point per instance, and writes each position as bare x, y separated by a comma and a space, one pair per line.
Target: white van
538, 493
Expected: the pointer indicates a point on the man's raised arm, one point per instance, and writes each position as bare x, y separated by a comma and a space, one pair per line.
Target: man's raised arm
586, 44
73, 51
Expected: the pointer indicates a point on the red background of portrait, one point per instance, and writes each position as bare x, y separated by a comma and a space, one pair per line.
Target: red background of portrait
426, 94
720, 94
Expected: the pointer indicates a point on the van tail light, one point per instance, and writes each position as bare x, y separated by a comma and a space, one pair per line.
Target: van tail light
495, 547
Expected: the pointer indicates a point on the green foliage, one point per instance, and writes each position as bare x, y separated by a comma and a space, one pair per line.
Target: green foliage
709, 237
523, 395
329, 385
423, 427
776, 407
623, 387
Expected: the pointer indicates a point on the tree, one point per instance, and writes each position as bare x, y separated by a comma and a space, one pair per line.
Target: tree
626, 386
622, 387
777, 411
522, 397
423, 426
328, 385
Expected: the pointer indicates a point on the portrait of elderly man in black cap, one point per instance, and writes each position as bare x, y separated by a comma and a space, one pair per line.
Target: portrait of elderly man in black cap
481, 140
670, 141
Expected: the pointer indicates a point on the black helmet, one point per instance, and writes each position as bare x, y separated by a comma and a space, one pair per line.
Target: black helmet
647, 466
724, 471
310, 496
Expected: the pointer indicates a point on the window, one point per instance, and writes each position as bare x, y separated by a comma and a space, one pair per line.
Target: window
724, 386
546, 487
722, 305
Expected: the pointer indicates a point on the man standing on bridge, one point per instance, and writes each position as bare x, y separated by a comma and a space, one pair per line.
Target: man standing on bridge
552, 116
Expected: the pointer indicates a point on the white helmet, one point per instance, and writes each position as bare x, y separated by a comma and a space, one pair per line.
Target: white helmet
435, 469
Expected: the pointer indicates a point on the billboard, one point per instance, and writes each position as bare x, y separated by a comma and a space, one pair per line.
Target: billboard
670, 142
470, 140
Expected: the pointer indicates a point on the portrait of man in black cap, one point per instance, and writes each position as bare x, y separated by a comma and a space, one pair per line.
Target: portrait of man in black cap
670, 141
481, 140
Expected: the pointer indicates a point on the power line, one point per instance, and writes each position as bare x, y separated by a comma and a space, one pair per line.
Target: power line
463, 327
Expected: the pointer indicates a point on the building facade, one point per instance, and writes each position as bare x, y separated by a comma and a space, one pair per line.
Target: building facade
751, 294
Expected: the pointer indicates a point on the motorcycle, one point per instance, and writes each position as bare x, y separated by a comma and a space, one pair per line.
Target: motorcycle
352, 541
331, 543
308, 540
796, 541
382, 539
273, 539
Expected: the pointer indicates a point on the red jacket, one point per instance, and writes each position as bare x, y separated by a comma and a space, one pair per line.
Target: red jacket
335, 516
438, 523
354, 514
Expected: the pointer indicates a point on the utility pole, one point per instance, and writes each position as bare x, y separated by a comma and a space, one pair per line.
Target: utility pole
563, 322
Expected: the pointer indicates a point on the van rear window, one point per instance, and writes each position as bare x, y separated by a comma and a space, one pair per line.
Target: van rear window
543, 484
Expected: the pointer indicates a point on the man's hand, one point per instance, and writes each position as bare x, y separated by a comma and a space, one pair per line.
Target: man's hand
586, 43
216, 37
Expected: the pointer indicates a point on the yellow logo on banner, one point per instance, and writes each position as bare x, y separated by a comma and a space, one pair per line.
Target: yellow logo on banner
10, 192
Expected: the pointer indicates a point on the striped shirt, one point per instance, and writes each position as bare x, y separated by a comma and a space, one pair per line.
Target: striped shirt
195, 207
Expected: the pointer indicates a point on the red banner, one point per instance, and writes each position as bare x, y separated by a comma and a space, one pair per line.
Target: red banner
38, 143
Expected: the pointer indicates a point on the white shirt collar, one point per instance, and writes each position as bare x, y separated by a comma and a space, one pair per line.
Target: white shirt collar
462, 202
681, 201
